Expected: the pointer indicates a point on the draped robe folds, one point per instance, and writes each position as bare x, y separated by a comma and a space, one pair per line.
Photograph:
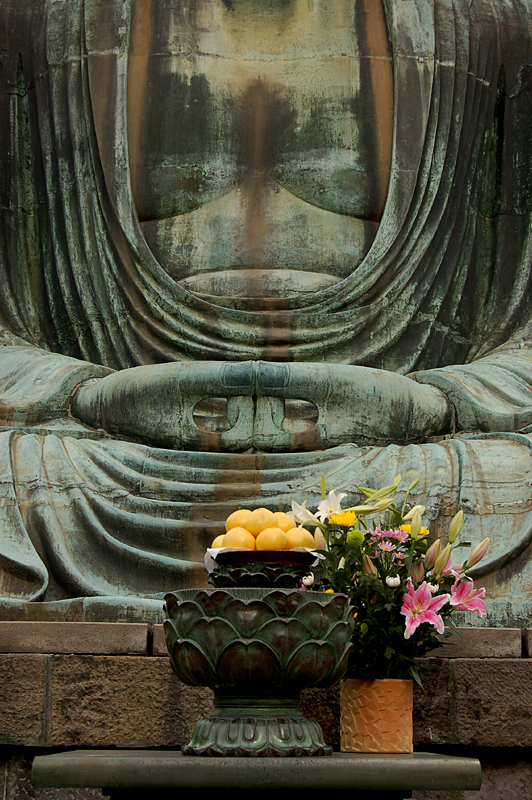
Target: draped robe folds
444, 295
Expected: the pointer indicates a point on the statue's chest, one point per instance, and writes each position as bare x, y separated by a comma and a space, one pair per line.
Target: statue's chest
300, 91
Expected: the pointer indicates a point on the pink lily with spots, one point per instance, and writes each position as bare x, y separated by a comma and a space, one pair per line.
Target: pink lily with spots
465, 597
420, 606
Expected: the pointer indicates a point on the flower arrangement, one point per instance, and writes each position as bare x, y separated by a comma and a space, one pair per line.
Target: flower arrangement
403, 589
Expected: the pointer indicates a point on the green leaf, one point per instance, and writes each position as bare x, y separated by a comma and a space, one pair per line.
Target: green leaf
415, 674
449, 622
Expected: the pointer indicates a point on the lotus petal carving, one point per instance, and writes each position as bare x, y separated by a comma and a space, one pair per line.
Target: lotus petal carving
284, 635
310, 664
186, 615
191, 665
318, 618
248, 616
248, 663
256, 637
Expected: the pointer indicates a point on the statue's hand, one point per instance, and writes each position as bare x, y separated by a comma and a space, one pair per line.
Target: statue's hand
275, 407
315, 406
180, 405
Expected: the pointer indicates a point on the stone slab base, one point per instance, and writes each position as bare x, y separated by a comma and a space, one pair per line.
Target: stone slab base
507, 775
118, 691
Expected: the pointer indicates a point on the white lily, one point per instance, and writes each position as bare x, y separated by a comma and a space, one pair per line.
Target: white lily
331, 505
300, 513
413, 510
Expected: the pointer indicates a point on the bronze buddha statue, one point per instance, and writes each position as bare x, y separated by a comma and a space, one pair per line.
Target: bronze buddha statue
249, 243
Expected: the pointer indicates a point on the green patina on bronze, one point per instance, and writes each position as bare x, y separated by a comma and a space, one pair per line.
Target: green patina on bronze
244, 245
257, 649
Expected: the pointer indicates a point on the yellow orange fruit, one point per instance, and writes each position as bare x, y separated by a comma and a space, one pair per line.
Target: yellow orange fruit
298, 537
237, 519
272, 539
283, 521
259, 520
219, 541
239, 537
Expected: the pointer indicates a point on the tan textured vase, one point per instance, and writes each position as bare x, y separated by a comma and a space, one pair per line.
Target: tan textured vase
376, 716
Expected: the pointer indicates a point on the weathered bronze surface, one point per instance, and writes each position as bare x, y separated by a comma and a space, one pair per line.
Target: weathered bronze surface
257, 649
248, 243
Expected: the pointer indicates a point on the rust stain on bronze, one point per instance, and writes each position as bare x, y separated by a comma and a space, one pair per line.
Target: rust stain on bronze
374, 31
255, 225
139, 49
278, 337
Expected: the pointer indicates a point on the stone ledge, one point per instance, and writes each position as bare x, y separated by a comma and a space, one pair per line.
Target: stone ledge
159, 644
97, 638
482, 643
121, 638
528, 642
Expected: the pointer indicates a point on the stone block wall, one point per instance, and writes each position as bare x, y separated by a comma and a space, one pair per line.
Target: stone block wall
81, 685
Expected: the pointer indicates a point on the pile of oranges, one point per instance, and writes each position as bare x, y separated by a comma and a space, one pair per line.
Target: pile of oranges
262, 529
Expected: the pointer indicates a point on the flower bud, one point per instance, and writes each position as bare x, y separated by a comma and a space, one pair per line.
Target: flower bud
308, 580
456, 526
319, 539
416, 525
432, 554
341, 563
443, 558
368, 567
478, 553
412, 511
418, 573
394, 582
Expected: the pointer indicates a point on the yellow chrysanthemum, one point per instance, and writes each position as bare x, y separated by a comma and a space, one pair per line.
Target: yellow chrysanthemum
346, 519
408, 529
329, 591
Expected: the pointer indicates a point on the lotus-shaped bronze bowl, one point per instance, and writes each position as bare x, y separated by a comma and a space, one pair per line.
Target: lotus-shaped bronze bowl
257, 648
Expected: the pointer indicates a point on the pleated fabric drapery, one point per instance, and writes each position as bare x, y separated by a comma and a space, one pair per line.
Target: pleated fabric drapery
452, 225
446, 281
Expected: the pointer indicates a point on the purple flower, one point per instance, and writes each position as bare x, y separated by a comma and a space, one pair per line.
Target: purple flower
401, 536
